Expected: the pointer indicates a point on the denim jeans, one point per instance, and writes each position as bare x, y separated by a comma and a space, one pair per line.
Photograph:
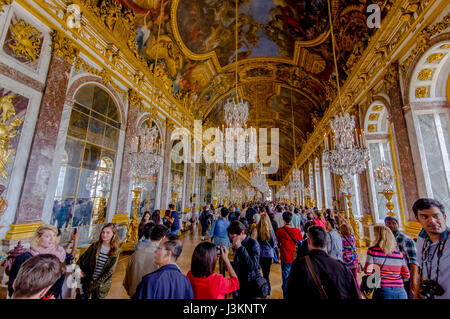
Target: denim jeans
175, 232
285, 270
391, 293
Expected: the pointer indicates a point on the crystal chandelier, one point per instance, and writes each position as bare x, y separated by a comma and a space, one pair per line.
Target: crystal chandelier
307, 191
176, 183
236, 113
296, 181
384, 177
283, 193
145, 157
348, 154
249, 192
257, 177
221, 182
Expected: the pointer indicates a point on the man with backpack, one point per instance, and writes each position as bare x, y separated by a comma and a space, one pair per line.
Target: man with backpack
287, 237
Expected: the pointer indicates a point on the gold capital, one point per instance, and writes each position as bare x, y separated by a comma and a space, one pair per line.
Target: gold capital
64, 47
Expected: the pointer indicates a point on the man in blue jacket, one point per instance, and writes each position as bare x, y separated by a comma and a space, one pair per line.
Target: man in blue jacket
167, 282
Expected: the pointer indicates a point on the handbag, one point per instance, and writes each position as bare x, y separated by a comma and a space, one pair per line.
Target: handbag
368, 292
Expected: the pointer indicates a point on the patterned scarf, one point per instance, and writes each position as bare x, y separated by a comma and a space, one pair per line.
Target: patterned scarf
57, 251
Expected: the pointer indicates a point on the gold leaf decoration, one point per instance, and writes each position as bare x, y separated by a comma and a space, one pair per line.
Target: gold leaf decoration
372, 128
377, 108
26, 40
435, 57
445, 46
425, 74
422, 92
4, 3
373, 116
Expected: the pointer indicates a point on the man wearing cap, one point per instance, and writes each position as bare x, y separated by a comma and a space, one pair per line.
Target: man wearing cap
407, 247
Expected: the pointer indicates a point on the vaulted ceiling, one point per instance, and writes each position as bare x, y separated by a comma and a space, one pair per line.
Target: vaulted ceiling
284, 48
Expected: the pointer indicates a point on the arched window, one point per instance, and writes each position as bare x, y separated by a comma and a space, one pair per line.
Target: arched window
429, 96
317, 183
85, 179
378, 140
327, 183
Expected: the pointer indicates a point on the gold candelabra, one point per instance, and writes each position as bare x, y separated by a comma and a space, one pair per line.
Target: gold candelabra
353, 221
389, 205
133, 226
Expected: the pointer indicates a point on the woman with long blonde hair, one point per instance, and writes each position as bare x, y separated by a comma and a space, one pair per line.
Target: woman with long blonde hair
98, 263
42, 242
385, 257
267, 242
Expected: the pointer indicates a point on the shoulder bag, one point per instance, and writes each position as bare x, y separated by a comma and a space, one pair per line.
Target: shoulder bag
297, 243
323, 294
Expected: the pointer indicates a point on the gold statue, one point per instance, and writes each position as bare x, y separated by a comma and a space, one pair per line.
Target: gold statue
7, 131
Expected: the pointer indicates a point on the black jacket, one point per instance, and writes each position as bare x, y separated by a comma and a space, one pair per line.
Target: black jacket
249, 215
246, 261
335, 277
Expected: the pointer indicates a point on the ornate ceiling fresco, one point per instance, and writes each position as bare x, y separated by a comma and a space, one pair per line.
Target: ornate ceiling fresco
283, 45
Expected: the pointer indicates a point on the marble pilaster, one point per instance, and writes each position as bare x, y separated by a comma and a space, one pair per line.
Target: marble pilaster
42, 151
402, 146
125, 173
166, 169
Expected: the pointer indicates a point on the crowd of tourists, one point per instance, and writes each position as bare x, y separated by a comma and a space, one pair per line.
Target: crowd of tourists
317, 252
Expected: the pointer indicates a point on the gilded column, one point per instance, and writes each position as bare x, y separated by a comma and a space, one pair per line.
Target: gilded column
166, 165
125, 172
406, 172
37, 175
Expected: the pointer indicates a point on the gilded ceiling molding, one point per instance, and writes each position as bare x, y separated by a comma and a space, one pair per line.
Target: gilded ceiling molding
64, 47
134, 98
423, 40
27, 42
395, 33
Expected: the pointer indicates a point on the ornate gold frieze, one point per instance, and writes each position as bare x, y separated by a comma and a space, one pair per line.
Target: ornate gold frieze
27, 42
422, 92
425, 74
422, 41
64, 47
445, 46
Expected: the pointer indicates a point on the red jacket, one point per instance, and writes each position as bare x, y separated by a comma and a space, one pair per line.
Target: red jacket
287, 250
215, 286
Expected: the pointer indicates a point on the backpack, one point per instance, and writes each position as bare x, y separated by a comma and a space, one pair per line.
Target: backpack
12, 254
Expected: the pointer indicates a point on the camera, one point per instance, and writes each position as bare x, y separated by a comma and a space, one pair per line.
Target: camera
219, 251
430, 288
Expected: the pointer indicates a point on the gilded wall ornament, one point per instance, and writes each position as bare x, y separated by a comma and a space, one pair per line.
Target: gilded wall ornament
8, 122
425, 74
435, 57
134, 98
64, 47
372, 128
422, 92
4, 3
445, 46
377, 108
26, 40
373, 116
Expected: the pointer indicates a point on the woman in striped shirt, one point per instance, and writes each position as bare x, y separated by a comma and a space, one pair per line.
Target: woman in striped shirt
385, 259
98, 263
